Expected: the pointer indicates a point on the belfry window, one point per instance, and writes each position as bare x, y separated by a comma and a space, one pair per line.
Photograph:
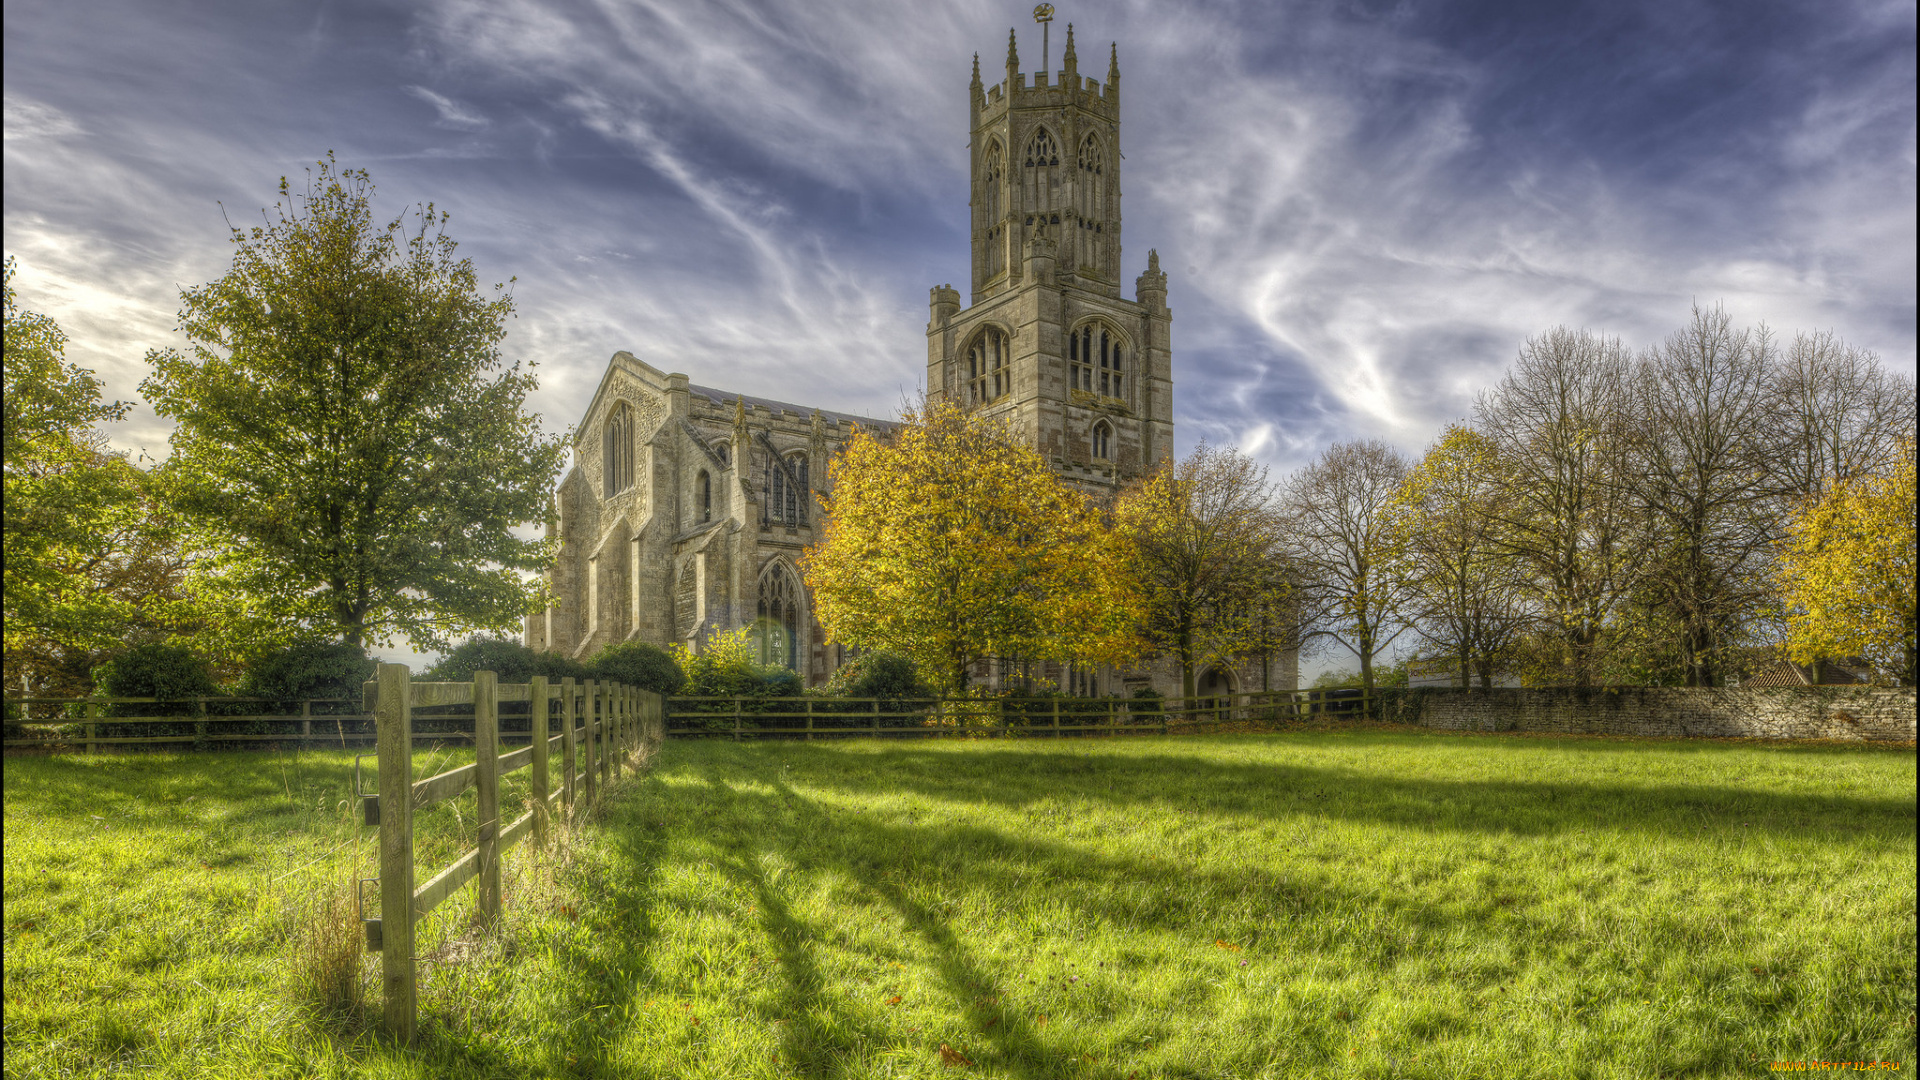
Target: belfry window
1090, 205
988, 375
1103, 441
992, 227
1041, 173
617, 450
1094, 361
778, 627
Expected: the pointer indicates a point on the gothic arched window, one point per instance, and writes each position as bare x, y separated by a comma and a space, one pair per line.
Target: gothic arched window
706, 497
988, 376
617, 449
778, 628
1090, 203
1103, 440
795, 505
991, 212
1041, 172
1094, 355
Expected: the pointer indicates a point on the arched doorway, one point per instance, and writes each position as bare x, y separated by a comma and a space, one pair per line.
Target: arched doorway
1215, 690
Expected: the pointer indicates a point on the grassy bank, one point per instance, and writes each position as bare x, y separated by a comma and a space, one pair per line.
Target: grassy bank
1372, 904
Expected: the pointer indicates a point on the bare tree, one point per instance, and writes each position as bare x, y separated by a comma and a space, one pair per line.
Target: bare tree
1834, 414
1555, 420
1200, 536
1338, 535
1697, 469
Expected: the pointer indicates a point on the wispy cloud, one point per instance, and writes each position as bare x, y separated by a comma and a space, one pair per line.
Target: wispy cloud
452, 113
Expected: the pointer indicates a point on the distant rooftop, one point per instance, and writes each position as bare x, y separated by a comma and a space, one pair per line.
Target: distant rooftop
726, 397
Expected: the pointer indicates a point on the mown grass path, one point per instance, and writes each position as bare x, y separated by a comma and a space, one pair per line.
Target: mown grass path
1348, 904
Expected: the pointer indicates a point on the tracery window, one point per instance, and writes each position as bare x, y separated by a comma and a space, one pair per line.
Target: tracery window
988, 375
991, 212
778, 627
1094, 358
1041, 172
1090, 204
1103, 440
787, 497
617, 450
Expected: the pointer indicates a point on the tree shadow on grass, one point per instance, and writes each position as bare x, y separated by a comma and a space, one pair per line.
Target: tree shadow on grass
1023, 776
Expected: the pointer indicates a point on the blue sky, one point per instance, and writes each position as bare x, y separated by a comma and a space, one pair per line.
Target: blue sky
1363, 207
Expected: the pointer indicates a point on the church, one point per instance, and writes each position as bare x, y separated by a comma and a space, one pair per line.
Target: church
688, 508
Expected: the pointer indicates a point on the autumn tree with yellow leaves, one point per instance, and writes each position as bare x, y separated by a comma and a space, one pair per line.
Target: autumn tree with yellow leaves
951, 541
1847, 572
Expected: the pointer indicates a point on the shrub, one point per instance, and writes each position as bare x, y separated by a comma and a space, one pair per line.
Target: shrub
329, 670
510, 661
883, 675
167, 672
637, 663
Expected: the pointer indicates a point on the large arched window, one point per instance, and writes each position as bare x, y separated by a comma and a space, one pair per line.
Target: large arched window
1040, 173
1103, 440
1090, 204
617, 449
1095, 361
787, 489
989, 377
778, 627
992, 214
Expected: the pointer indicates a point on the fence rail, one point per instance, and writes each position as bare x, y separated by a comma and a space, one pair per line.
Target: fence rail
601, 726
744, 717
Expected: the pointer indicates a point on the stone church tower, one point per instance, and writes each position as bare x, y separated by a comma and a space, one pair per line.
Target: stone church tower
1047, 340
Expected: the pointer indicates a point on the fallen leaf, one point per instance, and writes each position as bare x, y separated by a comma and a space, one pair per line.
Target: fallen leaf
1226, 945
949, 1057
894, 1000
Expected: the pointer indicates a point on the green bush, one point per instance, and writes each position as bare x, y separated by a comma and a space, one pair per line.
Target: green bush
168, 672
322, 670
888, 676
637, 663
510, 661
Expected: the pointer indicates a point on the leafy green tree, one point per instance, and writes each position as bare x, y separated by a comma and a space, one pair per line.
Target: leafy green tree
351, 444
329, 669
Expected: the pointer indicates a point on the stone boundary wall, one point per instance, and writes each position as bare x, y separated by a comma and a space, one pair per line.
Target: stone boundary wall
1853, 713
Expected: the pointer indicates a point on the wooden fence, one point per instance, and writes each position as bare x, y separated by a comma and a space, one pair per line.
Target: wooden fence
601, 726
822, 717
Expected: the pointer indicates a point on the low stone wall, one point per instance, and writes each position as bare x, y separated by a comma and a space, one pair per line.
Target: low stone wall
1857, 713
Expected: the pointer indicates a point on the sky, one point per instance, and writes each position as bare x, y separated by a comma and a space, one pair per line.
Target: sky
1363, 208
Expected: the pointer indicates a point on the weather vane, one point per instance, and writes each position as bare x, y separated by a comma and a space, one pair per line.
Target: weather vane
1043, 14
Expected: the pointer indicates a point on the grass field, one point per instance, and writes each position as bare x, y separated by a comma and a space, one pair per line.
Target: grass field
1348, 904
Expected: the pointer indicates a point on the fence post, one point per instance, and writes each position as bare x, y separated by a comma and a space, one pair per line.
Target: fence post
736, 719
486, 780
589, 703
617, 713
1056, 717
393, 720
809, 719
876, 716
1110, 717
605, 742
93, 711
306, 721
199, 723
537, 726
566, 743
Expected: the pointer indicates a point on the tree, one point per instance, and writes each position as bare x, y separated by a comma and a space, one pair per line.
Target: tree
1199, 537
1463, 587
1697, 469
953, 542
1555, 420
1847, 572
1338, 528
1834, 414
351, 442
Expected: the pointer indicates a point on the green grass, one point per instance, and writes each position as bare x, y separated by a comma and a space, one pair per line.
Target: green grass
1348, 904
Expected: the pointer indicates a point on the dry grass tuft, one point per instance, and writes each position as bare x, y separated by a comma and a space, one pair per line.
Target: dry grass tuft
326, 949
